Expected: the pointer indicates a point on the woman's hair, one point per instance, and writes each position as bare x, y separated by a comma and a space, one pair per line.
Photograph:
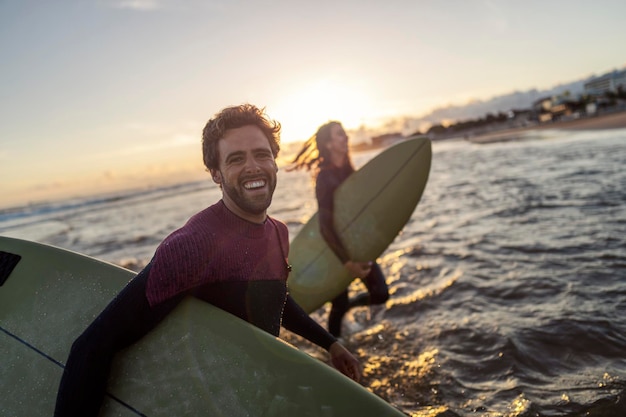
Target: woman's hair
314, 153
233, 118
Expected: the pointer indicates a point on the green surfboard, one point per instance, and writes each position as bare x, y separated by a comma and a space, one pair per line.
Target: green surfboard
371, 208
200, 361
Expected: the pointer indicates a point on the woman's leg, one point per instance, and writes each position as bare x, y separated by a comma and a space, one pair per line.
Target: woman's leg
377, 285
377, 289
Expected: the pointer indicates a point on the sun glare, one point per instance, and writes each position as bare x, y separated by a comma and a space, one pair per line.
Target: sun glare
302, 111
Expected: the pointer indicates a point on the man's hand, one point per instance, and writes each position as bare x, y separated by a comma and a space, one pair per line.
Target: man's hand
344, 361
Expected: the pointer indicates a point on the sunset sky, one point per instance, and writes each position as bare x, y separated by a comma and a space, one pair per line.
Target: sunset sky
101, 94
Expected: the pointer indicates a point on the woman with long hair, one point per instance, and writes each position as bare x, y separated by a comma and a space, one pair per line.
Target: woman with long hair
327, 155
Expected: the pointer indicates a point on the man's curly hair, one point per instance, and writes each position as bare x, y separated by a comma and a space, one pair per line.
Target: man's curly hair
233, 118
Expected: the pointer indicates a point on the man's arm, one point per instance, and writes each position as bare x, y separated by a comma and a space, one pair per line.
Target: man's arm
296, 320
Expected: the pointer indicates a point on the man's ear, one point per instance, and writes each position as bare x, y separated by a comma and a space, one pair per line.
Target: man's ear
217, 177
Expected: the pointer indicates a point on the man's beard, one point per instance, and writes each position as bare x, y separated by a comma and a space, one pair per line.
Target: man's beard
256, 205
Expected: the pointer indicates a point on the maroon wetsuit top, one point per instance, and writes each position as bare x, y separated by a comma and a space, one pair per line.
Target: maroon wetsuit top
236, 265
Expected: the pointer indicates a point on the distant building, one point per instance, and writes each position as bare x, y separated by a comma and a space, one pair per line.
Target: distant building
607, 82
541, 109
519, 117
542, 105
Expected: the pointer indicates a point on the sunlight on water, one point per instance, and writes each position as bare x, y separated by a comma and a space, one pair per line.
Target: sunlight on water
607, 379
519, 407
429, 411
445, 280
421, 366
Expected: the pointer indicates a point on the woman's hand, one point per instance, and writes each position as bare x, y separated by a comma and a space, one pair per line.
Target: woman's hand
344, 361
358, 269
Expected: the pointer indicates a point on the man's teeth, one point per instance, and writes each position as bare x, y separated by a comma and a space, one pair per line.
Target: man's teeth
254, 184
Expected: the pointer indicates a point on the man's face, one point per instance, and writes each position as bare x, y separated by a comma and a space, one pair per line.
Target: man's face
247, 172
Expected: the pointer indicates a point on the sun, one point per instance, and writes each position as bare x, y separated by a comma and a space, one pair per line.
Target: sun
302, 110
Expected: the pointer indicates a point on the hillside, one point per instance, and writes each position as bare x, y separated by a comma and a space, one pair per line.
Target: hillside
502, 103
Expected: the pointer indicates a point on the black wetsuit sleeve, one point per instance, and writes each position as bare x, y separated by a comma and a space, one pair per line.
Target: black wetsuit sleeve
325, 192
298, 322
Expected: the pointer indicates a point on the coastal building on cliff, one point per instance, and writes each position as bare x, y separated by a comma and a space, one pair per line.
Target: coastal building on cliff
610, 82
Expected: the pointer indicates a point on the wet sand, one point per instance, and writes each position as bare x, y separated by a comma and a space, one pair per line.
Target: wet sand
605, 121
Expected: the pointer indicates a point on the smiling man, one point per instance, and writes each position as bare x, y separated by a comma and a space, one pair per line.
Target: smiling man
247, 177
231, 254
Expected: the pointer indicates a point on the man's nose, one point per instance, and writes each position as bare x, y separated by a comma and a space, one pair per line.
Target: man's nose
252, 165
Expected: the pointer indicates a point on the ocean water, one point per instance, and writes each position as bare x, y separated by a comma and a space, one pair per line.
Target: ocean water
508, 284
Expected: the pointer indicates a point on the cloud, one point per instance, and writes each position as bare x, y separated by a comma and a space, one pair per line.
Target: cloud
495, 15
175, 141
141, 5
150, 137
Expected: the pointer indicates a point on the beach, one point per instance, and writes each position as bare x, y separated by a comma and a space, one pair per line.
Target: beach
613, 120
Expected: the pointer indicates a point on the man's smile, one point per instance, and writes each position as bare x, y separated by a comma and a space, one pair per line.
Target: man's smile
254, 184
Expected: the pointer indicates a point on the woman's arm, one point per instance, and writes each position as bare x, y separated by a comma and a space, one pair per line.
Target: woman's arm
325, 188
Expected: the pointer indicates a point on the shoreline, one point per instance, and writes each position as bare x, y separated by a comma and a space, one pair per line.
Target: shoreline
605, 121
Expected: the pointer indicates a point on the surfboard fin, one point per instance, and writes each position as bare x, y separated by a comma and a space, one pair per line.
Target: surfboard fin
8, 261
